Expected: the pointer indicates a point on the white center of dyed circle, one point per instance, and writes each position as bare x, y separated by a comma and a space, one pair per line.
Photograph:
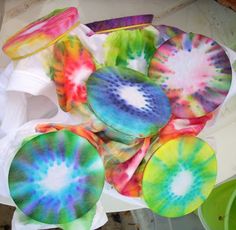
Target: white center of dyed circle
138, 64
182, 183
57, 177
80, 76
133, 96
190, 70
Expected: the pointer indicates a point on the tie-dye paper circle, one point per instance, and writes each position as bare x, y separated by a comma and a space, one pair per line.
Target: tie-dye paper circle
195, 73
40, 33
179, 176
130, 48
71, 66
56, 177
127, 101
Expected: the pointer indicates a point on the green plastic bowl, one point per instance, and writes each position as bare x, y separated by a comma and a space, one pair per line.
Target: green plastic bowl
230, 219
218, 212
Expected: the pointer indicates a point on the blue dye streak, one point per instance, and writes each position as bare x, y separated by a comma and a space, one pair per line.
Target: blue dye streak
187, 44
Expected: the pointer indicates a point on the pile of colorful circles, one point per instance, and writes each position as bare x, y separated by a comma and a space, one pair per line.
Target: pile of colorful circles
146, 103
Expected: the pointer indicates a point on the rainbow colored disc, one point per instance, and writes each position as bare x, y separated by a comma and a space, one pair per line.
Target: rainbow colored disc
179, 176
195, 73
41, 33
127, 101
71, 66
56, 177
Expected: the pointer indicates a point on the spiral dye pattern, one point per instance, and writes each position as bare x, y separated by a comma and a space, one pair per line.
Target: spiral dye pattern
182, 126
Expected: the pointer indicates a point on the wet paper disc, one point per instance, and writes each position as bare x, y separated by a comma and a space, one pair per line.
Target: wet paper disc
71, 66
130, 48
179, 176
41, 33
127, 101
56, 177
195, 73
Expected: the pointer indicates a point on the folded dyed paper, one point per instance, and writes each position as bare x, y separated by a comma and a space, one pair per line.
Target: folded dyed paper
122, 173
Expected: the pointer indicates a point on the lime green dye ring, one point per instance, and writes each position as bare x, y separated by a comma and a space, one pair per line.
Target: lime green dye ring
130, 48
213, 212
127, 101
56, 178
179, 176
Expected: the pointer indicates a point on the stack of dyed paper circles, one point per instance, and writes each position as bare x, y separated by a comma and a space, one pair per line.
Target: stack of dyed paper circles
154, 93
